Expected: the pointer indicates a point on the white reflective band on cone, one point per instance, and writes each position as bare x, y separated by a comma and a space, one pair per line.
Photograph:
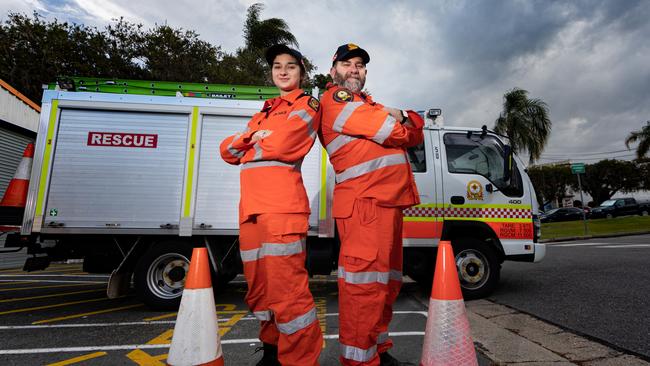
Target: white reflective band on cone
447, 340
23, 169
196, 333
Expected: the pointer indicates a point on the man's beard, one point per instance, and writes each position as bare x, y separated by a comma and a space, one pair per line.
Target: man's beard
355, 85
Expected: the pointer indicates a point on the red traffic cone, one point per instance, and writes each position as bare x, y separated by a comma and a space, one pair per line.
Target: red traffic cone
447, 339
196, 334
16, 193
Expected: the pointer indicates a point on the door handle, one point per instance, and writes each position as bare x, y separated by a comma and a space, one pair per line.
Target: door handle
457, 200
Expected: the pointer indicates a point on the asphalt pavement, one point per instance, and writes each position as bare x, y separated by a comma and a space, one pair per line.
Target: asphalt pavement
582, 305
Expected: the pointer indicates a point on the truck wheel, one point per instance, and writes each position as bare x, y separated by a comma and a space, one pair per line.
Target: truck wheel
160, 274
419, 264
478, 267
644, 212
609, 216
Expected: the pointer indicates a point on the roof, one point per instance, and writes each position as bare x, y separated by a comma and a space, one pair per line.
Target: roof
20, 96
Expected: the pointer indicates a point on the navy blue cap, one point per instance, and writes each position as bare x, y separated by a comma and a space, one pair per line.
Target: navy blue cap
347, 51
280, 49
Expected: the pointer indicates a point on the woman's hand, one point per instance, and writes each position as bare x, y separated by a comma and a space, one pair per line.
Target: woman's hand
260, 134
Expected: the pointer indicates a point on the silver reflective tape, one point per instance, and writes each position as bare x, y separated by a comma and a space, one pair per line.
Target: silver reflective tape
273, 249
234, 151
385, 130
338, 142
306, 117
358, 354
301, 322
382, 337
267, 163
258, 152
370, 166
395, 275
346, 112
264, 315
363, 278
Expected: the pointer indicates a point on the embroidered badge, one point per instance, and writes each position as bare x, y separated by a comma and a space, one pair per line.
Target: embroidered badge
343, 95
314, 103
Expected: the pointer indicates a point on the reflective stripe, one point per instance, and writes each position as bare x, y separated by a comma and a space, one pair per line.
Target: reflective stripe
358, 354
306, 117
385, 130
258, 152
370, 166
232, 150
382, 337
301, 322
363, 278
346, 112
267, 163
272, 249
264, 315
395, 275
338, 142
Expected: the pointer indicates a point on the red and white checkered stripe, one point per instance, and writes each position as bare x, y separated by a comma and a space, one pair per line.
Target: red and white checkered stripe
496, 213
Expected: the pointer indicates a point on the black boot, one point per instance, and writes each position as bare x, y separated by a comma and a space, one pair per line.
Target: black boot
270, 356
387, 360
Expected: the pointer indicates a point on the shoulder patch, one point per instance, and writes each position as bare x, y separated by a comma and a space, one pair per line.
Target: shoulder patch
343, 95
314, 103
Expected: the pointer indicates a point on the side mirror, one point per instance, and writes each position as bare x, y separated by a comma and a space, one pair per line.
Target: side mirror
507, 163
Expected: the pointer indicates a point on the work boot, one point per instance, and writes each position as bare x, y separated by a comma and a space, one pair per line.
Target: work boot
270, 356
387, 360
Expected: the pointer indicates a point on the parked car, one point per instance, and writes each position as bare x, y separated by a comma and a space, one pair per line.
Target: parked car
620, 207
562, 214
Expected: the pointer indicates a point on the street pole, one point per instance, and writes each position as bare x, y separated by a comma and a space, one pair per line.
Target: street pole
582, 202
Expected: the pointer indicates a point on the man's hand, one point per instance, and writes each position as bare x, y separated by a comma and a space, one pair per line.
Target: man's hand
397, 114
260, 134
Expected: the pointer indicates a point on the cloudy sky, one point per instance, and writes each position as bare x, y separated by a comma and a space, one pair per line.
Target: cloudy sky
589, 60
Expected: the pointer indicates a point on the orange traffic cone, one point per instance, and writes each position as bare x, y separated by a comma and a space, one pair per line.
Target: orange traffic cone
16, 193
447, 340
196, 334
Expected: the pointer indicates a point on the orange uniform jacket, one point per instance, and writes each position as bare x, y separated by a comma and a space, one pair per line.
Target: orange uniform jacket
366, 146
270, 177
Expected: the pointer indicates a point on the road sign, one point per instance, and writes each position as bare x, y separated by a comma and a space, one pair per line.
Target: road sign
578, 168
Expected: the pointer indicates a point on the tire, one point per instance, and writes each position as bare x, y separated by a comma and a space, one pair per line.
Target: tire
419, 264
644, 212
160, 274
478, 265
609, 216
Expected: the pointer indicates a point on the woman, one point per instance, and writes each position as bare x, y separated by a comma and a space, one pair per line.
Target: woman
274, 212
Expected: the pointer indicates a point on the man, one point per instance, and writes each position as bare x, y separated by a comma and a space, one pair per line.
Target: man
366, 144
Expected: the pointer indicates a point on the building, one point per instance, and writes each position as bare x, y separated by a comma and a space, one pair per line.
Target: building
19, 118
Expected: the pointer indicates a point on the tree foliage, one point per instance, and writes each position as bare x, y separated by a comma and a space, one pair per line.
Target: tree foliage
643, 137
525, 121
550, 182
34, 52
605, 178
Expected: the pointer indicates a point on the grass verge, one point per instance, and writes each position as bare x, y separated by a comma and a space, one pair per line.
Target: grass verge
617, 225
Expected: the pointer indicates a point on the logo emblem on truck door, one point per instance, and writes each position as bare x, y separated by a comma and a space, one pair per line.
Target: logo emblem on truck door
54, 212
474, 190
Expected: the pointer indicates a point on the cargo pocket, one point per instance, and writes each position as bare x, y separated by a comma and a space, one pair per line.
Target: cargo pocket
288, 224
366, 210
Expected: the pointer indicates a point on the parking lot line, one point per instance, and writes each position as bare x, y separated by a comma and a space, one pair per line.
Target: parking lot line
85, 325
3, 283
51, 295
74, 316
161, 346
72, 283
51, 306
78, 359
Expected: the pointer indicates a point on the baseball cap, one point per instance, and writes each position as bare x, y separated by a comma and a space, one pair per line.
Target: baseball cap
347, 51
280, 49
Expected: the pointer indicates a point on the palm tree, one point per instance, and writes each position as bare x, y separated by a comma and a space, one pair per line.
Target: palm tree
525, 121
261, 34
643, 136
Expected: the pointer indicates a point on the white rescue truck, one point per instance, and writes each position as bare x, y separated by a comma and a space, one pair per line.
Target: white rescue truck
131, 181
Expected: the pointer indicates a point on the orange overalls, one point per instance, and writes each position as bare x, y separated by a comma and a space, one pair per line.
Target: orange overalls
274, 212
374, 183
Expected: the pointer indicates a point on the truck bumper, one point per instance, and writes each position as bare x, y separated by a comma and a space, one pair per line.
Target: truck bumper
537, 256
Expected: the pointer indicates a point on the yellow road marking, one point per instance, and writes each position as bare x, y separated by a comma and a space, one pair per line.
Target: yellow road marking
164, 338
225, 327
50, 306
78, 359
40, 287
87, 314
321, 310
51, 295
142, 358
227, 309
